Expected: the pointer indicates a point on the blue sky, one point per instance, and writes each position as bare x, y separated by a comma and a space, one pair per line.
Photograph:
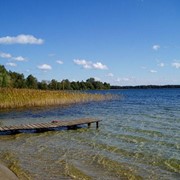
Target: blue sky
123, 42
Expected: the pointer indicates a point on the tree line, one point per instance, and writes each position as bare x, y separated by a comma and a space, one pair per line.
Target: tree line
146, 87
17, 80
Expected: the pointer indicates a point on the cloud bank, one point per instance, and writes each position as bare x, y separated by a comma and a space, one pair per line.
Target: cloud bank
21, 39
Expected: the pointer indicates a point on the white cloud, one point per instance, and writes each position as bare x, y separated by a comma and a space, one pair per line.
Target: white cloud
176, 65
19, 58
99, 65
21, 39
44, 67
153, 71
5, 55
11, 64
84, 63
9, 56
89, 65
156, 47
110, 75
59, 62
161, 64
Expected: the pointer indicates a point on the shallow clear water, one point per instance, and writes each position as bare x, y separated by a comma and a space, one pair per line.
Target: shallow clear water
138, 138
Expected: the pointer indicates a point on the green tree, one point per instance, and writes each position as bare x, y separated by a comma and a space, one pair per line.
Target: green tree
89, 85
66, 85
31, 82
91, 80
106, 85
82, 85
59, 86
74, 85
43, 85
17, 80
5, 79
98, 85
53, 85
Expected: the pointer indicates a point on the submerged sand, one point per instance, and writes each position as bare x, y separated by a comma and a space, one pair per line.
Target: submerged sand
6, 174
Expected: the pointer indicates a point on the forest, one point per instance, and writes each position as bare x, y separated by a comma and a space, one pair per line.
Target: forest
16, 80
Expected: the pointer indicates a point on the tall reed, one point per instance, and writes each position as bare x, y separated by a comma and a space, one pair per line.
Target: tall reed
19, 98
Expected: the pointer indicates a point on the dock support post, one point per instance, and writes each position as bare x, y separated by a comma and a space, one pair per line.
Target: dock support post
97, 124
89, 125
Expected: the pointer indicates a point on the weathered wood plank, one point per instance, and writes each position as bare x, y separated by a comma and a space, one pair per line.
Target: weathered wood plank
53, 124
29, 126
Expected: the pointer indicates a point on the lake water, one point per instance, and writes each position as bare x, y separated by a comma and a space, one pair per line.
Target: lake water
138, 138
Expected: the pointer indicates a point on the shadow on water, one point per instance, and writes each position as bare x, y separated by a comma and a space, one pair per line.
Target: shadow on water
43, 130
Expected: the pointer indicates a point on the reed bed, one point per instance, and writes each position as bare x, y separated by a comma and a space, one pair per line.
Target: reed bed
23, 98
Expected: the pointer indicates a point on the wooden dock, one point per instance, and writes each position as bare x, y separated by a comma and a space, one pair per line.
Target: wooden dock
49, 126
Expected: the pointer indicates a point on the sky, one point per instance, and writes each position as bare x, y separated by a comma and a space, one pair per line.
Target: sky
122, 42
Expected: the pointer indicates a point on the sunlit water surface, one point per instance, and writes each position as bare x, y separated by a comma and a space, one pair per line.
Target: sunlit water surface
138, 138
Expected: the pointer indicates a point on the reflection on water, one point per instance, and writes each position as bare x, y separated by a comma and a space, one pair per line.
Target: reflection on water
137, 139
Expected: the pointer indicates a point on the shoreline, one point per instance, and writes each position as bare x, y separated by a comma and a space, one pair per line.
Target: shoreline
6, 173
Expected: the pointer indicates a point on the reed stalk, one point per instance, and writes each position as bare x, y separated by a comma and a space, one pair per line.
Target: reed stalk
22, 98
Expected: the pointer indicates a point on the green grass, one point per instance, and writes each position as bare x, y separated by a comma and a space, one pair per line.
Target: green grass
24, 98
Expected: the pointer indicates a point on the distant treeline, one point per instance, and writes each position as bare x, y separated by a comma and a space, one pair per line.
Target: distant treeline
17, 80
145, 87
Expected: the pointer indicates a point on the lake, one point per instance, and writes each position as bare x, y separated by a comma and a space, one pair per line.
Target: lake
138, 138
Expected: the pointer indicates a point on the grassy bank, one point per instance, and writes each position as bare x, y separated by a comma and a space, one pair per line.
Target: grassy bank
22, 98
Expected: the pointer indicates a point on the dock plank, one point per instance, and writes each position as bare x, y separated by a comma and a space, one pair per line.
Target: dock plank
47, 126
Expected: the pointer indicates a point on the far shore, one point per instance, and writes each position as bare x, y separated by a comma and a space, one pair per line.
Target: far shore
146, 87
